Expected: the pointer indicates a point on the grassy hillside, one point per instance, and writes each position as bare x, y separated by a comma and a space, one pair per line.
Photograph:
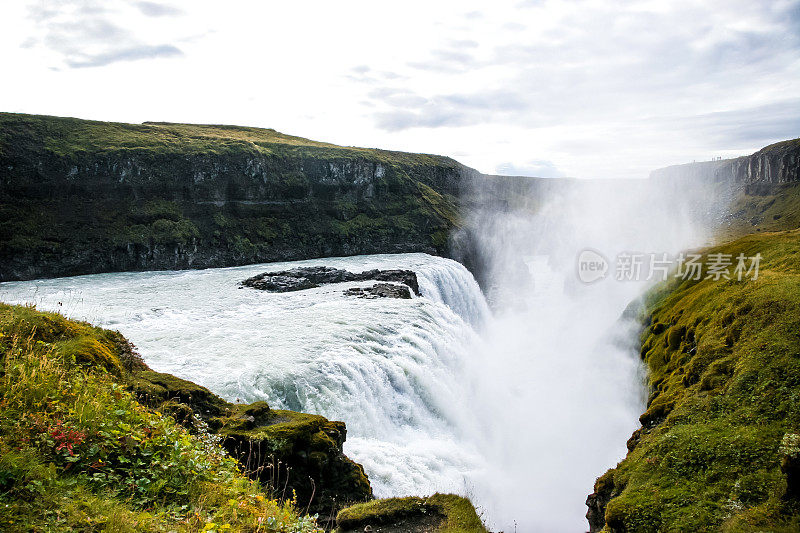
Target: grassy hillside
718, 448
71, 137
78, 452
776, 208
81, 196
91, 439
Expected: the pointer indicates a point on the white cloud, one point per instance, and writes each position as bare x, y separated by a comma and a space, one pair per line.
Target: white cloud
595, 88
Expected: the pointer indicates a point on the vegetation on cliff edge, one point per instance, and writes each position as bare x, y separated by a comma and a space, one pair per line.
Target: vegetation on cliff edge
78, 452
443, 513
80, 197
718, 447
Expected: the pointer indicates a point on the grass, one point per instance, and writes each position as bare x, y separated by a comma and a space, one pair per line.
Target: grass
67, 137
82, 196
78, 452
724, 380
457, 515
777, 210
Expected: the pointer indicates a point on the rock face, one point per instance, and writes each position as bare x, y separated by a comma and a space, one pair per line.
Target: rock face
775, 164
81, 197
294, 453
380, 290
301, 278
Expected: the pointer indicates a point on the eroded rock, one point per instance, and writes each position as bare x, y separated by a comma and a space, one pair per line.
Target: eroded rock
296, 452
300, 278
380, 290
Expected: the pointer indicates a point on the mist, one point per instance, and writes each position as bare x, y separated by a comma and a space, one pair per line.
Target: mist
517, 391
556, 384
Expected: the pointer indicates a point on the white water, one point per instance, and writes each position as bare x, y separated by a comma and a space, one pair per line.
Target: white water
520, 409
392, 369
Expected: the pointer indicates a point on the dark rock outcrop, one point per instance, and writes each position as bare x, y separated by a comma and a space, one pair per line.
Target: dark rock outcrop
293, 453
790, 465
380, 290
301, 278
597, 502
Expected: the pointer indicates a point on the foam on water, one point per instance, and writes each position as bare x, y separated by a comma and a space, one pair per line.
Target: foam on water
393, 370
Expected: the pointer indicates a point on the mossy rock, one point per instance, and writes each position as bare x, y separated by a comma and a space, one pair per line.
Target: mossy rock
716, 450
295, 452
86, 344
438, 513
156, 388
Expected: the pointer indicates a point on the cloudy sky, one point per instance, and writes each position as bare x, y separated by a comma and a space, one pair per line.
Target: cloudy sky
578, 88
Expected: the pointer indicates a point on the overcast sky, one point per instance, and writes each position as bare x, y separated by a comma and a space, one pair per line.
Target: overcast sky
578, 88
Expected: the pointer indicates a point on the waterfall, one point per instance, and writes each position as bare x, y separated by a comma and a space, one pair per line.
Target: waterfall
393, 370
519, 407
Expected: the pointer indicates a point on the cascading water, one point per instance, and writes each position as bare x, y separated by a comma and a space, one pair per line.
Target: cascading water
519, 408
556, 384
392, 369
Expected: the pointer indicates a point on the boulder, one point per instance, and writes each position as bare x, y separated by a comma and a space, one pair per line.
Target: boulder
380, 290
300, 278
440, 512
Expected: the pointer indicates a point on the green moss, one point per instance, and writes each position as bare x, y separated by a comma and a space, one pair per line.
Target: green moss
78, 452
447, 512
165, 231
724, 376
83, 197
776, 210
156, 388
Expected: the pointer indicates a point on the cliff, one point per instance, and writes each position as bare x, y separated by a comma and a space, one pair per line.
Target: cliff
759, 192
775, 164
719, 443
79, 197
690, 173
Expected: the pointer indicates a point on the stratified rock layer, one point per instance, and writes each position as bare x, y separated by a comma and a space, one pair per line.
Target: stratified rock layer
82, 197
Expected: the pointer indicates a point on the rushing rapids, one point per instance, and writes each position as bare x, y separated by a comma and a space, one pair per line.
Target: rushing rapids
520, 407
392, 369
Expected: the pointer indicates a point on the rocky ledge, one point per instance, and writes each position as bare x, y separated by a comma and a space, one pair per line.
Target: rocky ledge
436, 513
297, 279
297, 452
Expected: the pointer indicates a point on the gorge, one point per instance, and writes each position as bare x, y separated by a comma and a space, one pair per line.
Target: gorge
506, 379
